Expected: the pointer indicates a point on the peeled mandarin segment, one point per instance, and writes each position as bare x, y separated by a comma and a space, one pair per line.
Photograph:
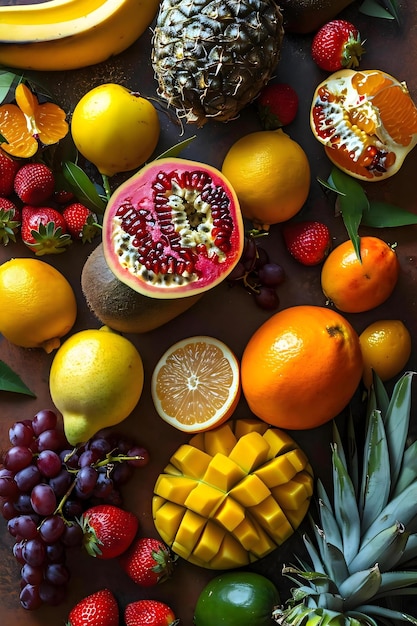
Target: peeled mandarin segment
174, 488
190, 459
250, 491
26, 100
230, 514
20, 142
398, 114
204, 499
250, 451
223, 472
50, 123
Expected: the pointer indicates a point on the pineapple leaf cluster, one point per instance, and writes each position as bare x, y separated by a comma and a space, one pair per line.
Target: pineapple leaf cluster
363, 553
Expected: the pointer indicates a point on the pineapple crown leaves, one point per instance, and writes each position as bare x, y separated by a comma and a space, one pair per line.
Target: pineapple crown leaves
369, 528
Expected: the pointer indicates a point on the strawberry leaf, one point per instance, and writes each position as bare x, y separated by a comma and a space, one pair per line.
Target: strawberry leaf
351, 201
385, 215
82, 187
10, 381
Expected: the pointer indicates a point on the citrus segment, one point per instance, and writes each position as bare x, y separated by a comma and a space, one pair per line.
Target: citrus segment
38, 304
386, 348
356, 285
366, 120
301, 367
196, 384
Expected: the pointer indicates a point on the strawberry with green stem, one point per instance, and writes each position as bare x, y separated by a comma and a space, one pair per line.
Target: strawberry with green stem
307, 241
337, 45
277, 105
34, 183
44, 230
148, 562
97, 609
108, 530
149, 613
81, 222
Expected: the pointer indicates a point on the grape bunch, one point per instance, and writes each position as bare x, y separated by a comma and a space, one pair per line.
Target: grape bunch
258, 275
45, 486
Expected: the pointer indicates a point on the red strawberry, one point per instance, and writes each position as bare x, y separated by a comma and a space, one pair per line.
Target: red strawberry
8, 171
108, 530
277, 105
308, 242
148, 562
62, 196
34, 183
149, 613
81, 222
98, 609
337, 45
9, 221
44, 230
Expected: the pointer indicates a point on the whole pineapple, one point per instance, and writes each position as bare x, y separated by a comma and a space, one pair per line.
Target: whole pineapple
212, 57
363, 555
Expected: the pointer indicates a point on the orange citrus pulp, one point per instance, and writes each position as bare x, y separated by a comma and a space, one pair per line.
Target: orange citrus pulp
367, 122
196, 384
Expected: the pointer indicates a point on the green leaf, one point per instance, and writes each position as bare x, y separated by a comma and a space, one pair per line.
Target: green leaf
386, 9
82, 187
10, 381
176, 150
384, 215
8, 82
352, 202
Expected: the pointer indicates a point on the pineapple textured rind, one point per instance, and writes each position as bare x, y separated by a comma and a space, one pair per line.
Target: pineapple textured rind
211, 58
365, 546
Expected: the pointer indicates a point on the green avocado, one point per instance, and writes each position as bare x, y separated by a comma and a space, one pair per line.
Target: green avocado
237, 599
306, 16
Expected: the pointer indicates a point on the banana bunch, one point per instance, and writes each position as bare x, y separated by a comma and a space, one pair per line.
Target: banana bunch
365, 550
70, 34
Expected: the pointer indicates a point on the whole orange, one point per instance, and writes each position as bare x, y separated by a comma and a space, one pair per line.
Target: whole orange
355, 285
301, 367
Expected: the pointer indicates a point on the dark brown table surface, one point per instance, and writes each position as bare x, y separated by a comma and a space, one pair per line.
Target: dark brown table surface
228, 314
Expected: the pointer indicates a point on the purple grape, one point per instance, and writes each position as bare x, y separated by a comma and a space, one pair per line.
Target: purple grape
123, 445
32, 575
104, 485
100, 446
121, 474
140, 452
69, 458
43, 499
44, 420
86, 481
23, 504
52, 594
49, 463
51, 439
21, 434
57, 574
8, 487
17, 551
237, 273
61, 483
248, 257
267, 298
72, 509
34, 552
17, 458
88, 457
73, 535
52, 528
23, 526
27, 478
30, 598
262, 257
8, 509
55, 552
271, 275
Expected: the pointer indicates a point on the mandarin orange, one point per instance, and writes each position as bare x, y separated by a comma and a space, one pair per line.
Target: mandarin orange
301, 367
366, 120
356, 285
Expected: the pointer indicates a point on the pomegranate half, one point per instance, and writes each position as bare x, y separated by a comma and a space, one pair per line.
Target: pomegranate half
174, 229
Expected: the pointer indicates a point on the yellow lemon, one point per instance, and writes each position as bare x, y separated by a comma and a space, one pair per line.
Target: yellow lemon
386, 348
270, 173
114, 128
95, 381
38, 304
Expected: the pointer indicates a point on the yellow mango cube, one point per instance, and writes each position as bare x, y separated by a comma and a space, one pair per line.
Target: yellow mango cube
290, 495
250, 451
190, 461
269, 514
209, 543
295, 517
204, 499
189, 531
248, 533
223, 472
245, 426
277, 471
278, 440
230, 555
197, 441
220, 439
168, 518
250, 491
174, 488
264, 544
230, 514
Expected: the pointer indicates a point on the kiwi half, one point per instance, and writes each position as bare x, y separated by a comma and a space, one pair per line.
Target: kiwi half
118, 306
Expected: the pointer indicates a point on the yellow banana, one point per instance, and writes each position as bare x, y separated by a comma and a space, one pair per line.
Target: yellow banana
70, 34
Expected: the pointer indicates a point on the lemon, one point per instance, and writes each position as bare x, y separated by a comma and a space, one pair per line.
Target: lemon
95, 381
386, 348
114, 128
38, 304
270, 174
